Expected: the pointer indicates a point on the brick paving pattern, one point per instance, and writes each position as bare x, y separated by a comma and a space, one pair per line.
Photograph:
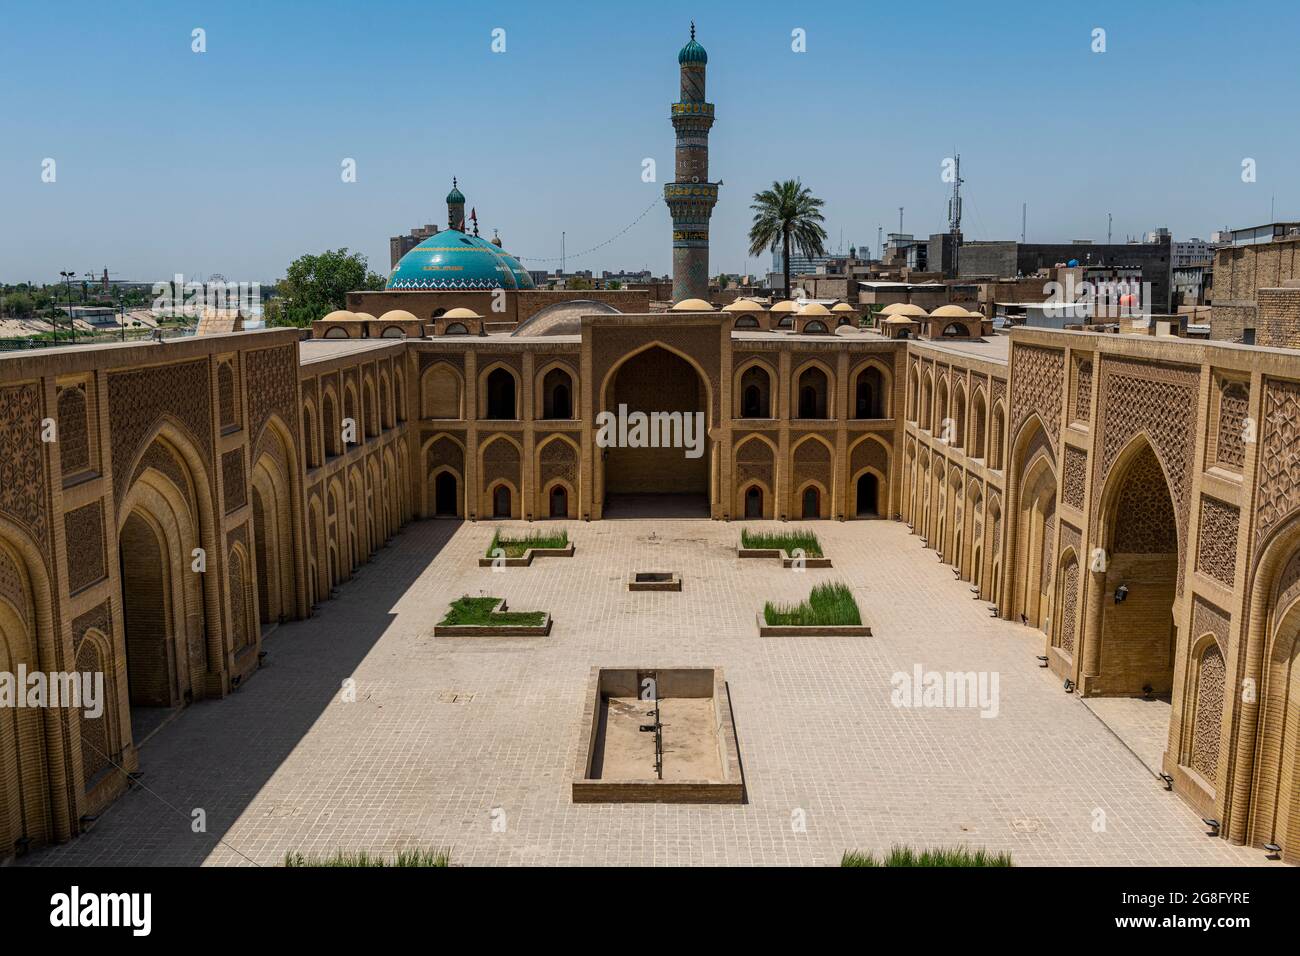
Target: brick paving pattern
470, 743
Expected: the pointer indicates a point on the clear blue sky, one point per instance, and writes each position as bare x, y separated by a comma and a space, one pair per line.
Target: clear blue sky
229, 161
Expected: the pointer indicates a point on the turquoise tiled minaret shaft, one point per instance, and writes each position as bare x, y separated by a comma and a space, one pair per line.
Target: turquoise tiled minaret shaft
691, 196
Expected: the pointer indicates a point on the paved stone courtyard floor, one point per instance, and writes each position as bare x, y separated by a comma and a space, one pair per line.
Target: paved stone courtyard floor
471, 743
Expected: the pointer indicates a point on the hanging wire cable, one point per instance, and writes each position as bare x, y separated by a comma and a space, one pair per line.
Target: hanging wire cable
584, 252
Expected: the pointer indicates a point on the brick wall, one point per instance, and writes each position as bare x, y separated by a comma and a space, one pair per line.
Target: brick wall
1278, 320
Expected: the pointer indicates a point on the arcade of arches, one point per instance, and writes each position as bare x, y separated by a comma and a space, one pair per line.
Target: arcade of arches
197, 497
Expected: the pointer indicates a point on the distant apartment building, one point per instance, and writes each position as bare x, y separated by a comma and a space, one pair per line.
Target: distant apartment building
1006, 259
1190, 252
399, 246
799, 264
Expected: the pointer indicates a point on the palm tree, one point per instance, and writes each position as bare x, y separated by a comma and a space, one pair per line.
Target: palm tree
787, 213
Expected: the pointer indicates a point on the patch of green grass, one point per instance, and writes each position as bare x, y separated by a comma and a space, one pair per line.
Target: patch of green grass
472, 610
940, 856
827, 605
515, 547
789, 540
364, 858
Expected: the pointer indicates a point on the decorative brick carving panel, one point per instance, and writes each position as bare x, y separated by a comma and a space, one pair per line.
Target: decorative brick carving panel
22, 462
274, 377
1069, 606
1146, 524
1071, 538
1210, 680
99, 617
1234, 406
1209, 619
500, 460
1082, 390
139, 399
812, 460
444, 451
869, 453
558, 460
1217, 551
1038, 376
74, 429
1279, 458
83, 531
232, 479
1076, 477
12, 587
1160, 402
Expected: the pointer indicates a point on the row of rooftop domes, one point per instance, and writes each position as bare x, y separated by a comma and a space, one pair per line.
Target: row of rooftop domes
749, 305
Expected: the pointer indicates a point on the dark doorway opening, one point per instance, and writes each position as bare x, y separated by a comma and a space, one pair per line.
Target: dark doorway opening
444, 495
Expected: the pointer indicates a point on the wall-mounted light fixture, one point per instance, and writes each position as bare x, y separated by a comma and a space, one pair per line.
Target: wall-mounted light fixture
1121, 594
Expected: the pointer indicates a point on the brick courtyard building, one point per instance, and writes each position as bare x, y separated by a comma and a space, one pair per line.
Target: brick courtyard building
1136, 499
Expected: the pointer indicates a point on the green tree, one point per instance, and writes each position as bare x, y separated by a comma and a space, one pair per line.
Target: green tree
784, 215
19, 304
316, 285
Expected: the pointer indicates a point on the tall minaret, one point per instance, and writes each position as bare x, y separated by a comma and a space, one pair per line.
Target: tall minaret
455, 207
691, 197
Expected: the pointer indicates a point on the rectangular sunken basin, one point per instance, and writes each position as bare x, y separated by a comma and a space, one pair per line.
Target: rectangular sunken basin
819, 630
495, 629
527, 558
654, 581
786, 560
699, 761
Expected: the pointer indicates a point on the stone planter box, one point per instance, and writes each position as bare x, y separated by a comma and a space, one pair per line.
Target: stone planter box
616, 758
494, 630
527, 558
795, 630
784, 557
654, 581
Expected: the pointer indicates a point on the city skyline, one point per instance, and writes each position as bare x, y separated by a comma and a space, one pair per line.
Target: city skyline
230, 161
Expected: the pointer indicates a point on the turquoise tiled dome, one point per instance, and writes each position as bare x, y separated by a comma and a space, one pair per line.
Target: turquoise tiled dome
453, 260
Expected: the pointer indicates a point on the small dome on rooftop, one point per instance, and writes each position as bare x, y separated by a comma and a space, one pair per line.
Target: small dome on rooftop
951, 311
339, 315
902, 308
460, 312
397, 315
785, 306
814, 308
743, 305
692, 305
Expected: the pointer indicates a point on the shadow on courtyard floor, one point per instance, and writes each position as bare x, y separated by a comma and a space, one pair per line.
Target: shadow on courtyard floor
218, 755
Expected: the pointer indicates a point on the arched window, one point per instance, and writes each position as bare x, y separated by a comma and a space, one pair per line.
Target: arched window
868, 494
557, 394
500, 394
812, 393
559, 502
869, 395
978, 425
445, 495
956, 330
997, 438
330, 423
501, 502
815, 325
456, 328
746, 322
812, 502
755, 393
